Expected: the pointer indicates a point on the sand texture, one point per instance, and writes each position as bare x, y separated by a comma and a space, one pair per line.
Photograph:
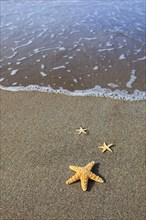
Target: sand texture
39, 141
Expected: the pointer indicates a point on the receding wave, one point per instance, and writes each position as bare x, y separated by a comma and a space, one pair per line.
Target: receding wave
96, 91
74, 45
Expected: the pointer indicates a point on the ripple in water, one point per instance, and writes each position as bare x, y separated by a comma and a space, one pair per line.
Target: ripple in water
75, 45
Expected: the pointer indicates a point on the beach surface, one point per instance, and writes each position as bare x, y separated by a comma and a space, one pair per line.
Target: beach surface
39, 141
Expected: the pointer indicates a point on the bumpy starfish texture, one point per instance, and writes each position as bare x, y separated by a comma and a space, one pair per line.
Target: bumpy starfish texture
84, 174
82, 130
106, 147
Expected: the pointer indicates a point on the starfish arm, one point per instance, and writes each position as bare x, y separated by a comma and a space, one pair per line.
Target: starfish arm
78, 130
73, 179
84, 182
110, 149
92, 176
90, 165
74, 168
101, 147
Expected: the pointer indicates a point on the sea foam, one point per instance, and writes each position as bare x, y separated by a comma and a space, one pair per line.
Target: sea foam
96, 91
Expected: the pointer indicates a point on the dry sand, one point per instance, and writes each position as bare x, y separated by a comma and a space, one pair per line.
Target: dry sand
39, 142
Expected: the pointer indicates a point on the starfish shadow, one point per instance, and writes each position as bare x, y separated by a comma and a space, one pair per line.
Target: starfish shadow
96, 172
88, 132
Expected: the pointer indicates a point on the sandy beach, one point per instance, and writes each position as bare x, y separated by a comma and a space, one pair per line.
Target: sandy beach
39, 141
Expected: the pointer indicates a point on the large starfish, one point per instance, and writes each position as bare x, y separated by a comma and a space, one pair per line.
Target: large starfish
84, 174
82, 130
106, 147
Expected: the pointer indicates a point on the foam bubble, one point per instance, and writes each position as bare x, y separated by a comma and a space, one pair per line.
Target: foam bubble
96, 91
108, 44
113, 85
90, 38
75, 80
139, 59
62, 48
96, 68
42, 66
2, 79
105, 49
43, 74
122, 57
132, 79
14, 83
59, 67
13, 72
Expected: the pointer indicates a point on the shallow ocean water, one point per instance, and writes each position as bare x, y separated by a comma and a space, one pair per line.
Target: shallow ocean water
75, 45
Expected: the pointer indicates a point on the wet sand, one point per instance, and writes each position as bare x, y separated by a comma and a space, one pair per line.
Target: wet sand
39, 142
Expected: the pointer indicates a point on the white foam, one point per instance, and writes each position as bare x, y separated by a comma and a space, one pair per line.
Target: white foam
137, 51
42, 66
122, 57
2, 79
96, 91
105, 49
142, 58
132, 79
75, 80
62, 48
44, 30
13, 72
23, 58
113, 85
23, 45
59, 67
14, 83
18, 63
43, 74
52, 36
96, 68
13, 55
108, 44
90, 38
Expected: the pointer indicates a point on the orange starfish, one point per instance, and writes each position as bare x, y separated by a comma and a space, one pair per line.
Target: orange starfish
84, 174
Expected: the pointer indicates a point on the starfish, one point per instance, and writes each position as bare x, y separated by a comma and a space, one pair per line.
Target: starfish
84, 174
106, 147
82, 130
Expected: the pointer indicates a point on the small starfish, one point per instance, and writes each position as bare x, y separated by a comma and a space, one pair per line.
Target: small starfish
84, 174
106, 147
82, 130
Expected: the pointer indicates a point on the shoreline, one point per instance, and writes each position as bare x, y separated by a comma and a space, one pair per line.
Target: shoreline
97, 91
39, 142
